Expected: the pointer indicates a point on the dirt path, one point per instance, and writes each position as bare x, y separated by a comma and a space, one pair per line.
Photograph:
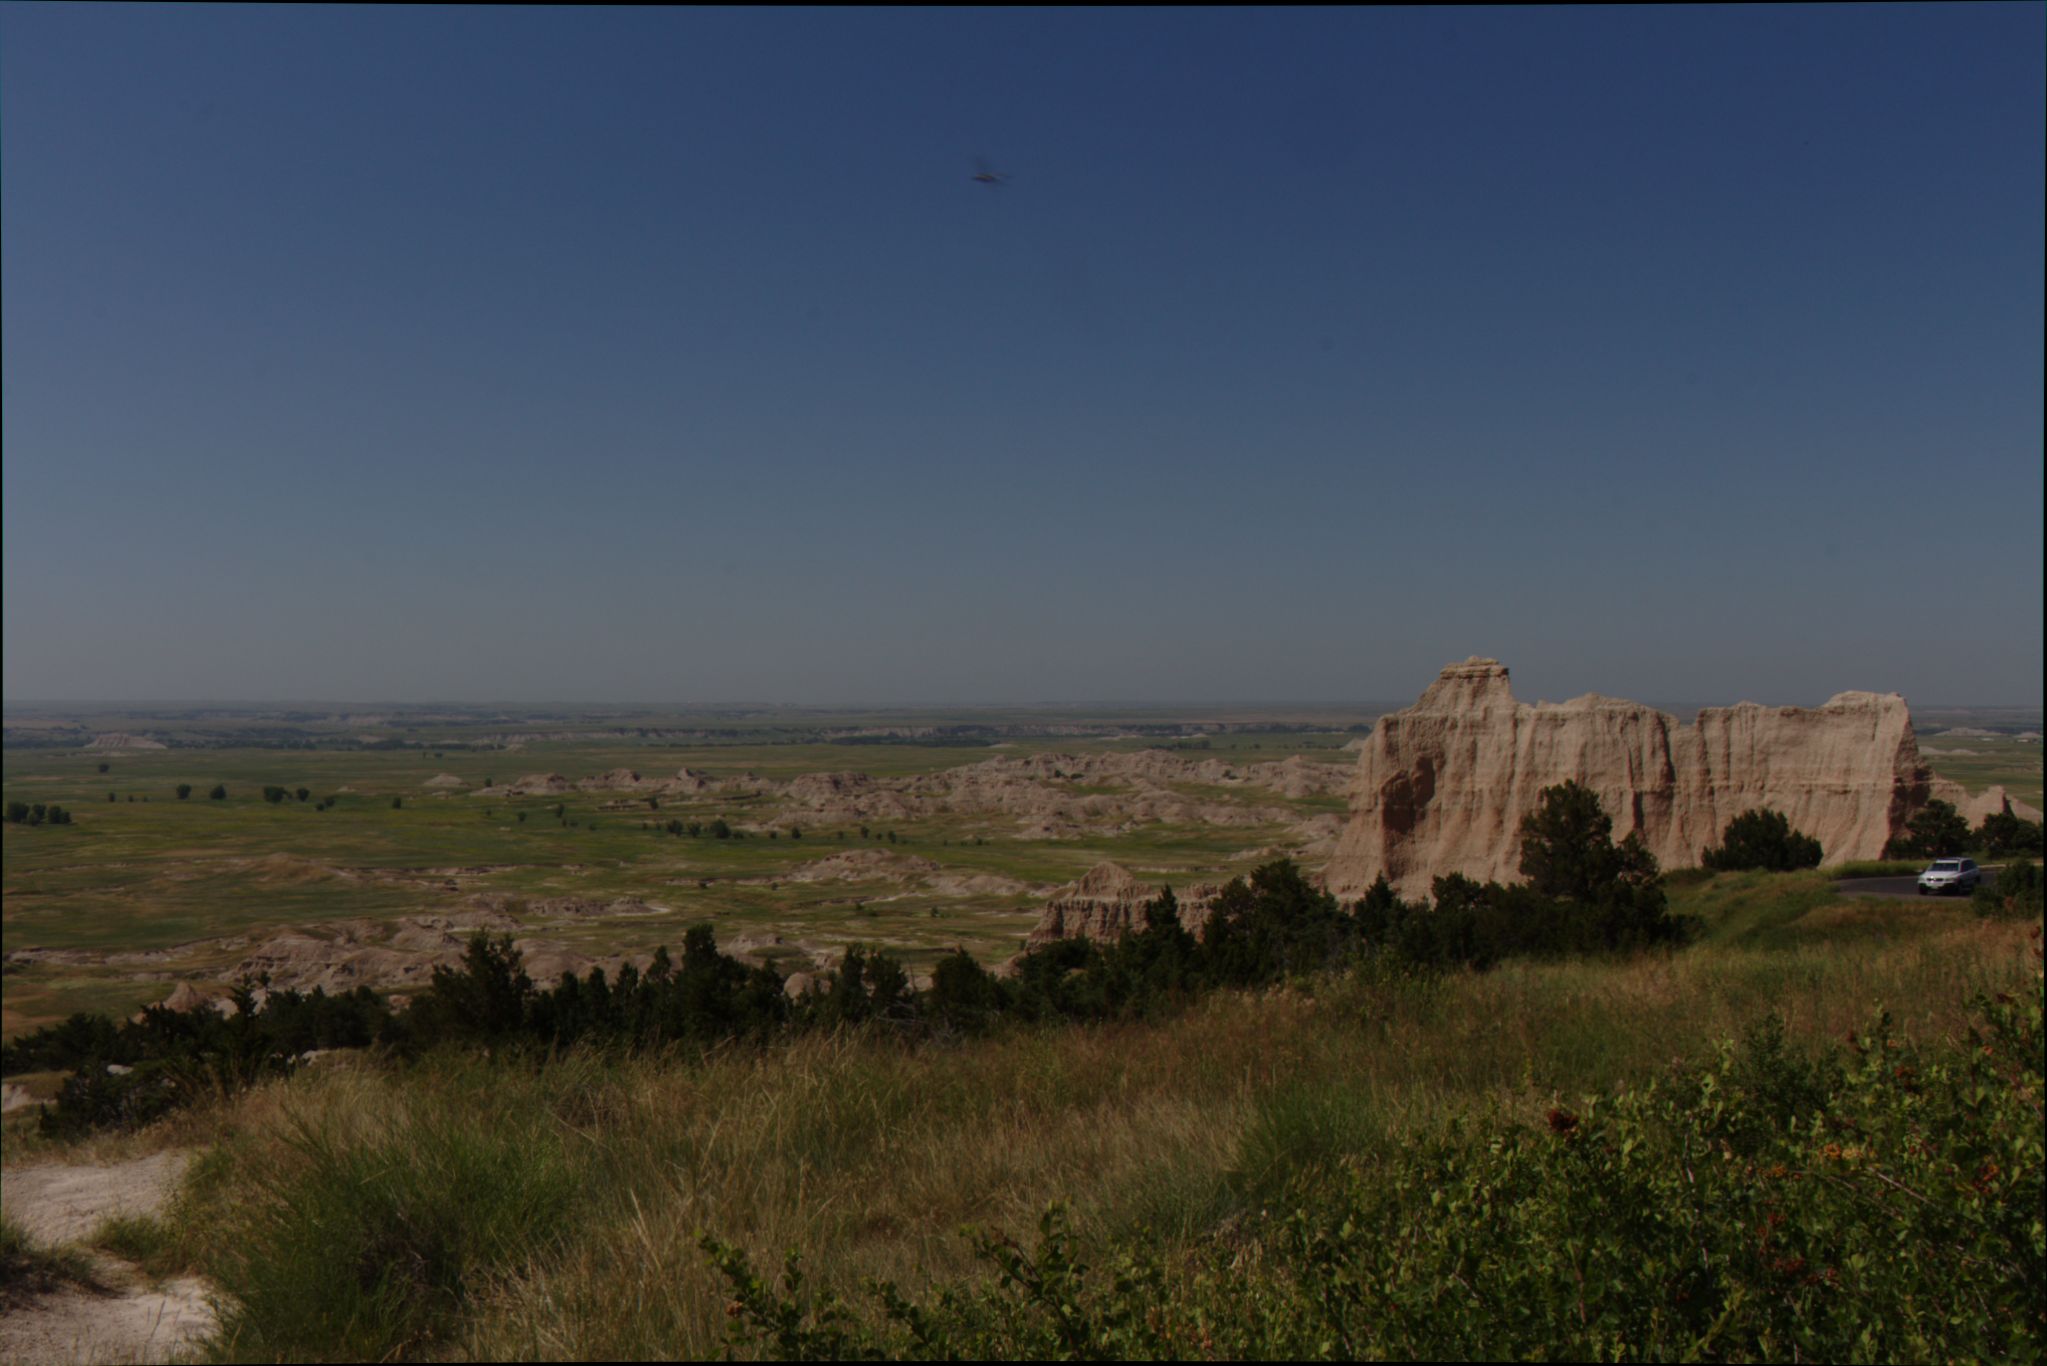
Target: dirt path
123, 1318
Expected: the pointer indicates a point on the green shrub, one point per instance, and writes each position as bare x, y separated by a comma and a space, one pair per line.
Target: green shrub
1937, 831
2002, 833
1762, 839
2016, 894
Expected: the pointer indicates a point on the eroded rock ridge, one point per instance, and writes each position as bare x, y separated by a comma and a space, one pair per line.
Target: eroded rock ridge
1442, 786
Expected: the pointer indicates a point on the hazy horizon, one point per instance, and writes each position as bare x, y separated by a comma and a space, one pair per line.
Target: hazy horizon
910, 705
556, 354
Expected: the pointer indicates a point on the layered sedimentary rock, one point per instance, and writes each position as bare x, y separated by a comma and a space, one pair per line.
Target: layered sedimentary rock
1442, 786
1108, 902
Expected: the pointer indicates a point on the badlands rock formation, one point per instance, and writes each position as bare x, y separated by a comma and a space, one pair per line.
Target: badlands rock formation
1442, 786
1108, 902
1123, 792
123, 740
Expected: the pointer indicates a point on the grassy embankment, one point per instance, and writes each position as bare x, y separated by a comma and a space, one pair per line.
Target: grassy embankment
474, 1209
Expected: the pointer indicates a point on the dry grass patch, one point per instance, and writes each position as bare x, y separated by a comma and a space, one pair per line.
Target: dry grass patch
867, 1157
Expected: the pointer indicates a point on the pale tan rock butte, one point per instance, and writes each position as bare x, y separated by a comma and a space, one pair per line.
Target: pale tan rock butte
1442, 786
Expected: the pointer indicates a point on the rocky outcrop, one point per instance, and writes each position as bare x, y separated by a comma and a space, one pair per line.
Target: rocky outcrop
1442, 786
1108, 902
123, 740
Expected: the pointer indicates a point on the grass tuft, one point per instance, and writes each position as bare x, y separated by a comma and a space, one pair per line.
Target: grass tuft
28, 1270
369, 1241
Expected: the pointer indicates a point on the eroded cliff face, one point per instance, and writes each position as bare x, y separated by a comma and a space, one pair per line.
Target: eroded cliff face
1443, 785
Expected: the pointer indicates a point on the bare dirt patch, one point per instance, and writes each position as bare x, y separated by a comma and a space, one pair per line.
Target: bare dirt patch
118, 1316
56, 1204
112, 1323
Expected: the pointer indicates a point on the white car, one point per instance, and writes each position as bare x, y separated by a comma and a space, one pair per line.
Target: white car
1950, 875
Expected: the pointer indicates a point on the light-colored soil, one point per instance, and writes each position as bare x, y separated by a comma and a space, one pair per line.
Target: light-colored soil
55, 1205
119, 1323
122, 1318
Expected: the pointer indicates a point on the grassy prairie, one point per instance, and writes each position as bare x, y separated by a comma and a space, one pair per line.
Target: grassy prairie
169, 878
565, 1201
1976, 762
180, 881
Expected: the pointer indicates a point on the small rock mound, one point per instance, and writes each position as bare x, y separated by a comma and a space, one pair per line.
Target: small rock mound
863, 865
1108, 902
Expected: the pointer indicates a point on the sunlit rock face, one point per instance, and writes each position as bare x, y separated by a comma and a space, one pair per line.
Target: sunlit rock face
1443, 785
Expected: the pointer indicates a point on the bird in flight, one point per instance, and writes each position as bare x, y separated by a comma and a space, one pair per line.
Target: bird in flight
984, 174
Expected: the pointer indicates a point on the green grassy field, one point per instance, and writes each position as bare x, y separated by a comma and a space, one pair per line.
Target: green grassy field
163, 889
172, 878
1976, 762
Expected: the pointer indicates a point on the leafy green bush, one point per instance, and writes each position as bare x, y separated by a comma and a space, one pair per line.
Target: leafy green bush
2003, 833
1881, 1203
1762, 839
1936, 831
2016, 894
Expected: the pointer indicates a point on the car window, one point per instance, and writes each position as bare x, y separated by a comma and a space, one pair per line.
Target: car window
1945, 865
1968, 865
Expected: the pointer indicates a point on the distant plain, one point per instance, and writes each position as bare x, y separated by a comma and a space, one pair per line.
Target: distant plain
145, 889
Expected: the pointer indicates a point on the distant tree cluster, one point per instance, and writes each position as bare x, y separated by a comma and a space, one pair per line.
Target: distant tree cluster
1762, 839
172, 1058
23, 813
1937, 830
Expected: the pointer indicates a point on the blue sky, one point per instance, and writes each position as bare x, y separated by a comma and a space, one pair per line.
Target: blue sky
642, 354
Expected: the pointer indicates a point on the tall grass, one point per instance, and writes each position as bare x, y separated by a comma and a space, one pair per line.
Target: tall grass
366, 1232
476, 1209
